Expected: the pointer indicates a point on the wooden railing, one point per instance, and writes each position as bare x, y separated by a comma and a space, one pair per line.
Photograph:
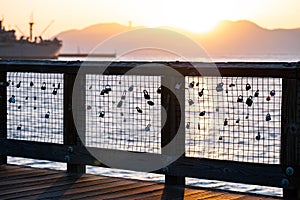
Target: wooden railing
284, 174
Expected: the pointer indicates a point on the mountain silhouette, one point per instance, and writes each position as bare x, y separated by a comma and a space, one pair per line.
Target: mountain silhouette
228, 37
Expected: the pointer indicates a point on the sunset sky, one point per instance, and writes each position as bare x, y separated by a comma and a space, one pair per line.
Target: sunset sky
197, 16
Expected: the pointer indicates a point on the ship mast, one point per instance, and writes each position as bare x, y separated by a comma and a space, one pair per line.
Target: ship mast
30, 30
31, 23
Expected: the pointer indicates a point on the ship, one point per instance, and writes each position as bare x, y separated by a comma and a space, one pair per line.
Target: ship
27, 47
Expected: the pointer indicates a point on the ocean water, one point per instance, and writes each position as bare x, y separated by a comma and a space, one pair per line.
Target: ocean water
148, 176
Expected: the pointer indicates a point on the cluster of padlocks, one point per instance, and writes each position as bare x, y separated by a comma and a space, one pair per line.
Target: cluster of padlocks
13, 99
249, 100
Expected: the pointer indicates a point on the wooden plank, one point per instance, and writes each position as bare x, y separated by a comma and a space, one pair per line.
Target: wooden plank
59, 183
77, 189
71, 137
125, 191
59, 188
3, 113
101, 192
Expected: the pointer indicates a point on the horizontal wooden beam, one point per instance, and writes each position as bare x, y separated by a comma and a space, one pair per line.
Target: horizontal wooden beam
231, 171
239, 69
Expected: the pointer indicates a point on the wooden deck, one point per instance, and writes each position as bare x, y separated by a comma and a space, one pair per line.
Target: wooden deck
19, 182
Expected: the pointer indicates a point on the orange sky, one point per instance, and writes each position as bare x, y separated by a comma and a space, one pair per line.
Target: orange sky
197, 15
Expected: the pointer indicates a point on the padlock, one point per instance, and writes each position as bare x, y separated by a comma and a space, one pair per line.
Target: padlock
272, 93
258, 136
268, 98
256, 93
150, 103
12, 99
102, 92
191, 85
159, 90
54, 92
249, 101
146, 95
31, 84
119, 105
240, 99
268, 117
225, 122
191, 102
19, 127
187, 125
43, 87
202, 113
248, 86
219, 87
47, 115
107, 88
123, 97
101, 114
139, 110
19, 85
130, 88
147, 128
201, 92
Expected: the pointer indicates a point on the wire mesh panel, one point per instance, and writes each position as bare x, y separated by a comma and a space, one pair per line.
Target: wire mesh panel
35, 107
234, 118
123, 112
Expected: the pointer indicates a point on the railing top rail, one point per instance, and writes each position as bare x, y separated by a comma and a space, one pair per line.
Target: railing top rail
242, 69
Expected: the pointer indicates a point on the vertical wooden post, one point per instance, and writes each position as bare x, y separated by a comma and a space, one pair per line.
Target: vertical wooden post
173, 100
3, 113
290, 138
71, 136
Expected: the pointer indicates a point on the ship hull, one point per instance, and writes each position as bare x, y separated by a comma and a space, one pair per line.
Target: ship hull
29, 50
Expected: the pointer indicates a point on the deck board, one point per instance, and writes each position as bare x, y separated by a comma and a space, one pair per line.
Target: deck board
19, 182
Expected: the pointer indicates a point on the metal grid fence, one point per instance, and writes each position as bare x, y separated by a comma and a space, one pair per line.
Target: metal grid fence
234, 118
230, 118
123, 113
35, 107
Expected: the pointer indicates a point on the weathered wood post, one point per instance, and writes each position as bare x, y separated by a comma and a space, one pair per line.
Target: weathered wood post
173, 100
290, 136
3, 113
71, 136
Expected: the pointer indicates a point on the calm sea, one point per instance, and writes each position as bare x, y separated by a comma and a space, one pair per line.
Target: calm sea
160, 178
